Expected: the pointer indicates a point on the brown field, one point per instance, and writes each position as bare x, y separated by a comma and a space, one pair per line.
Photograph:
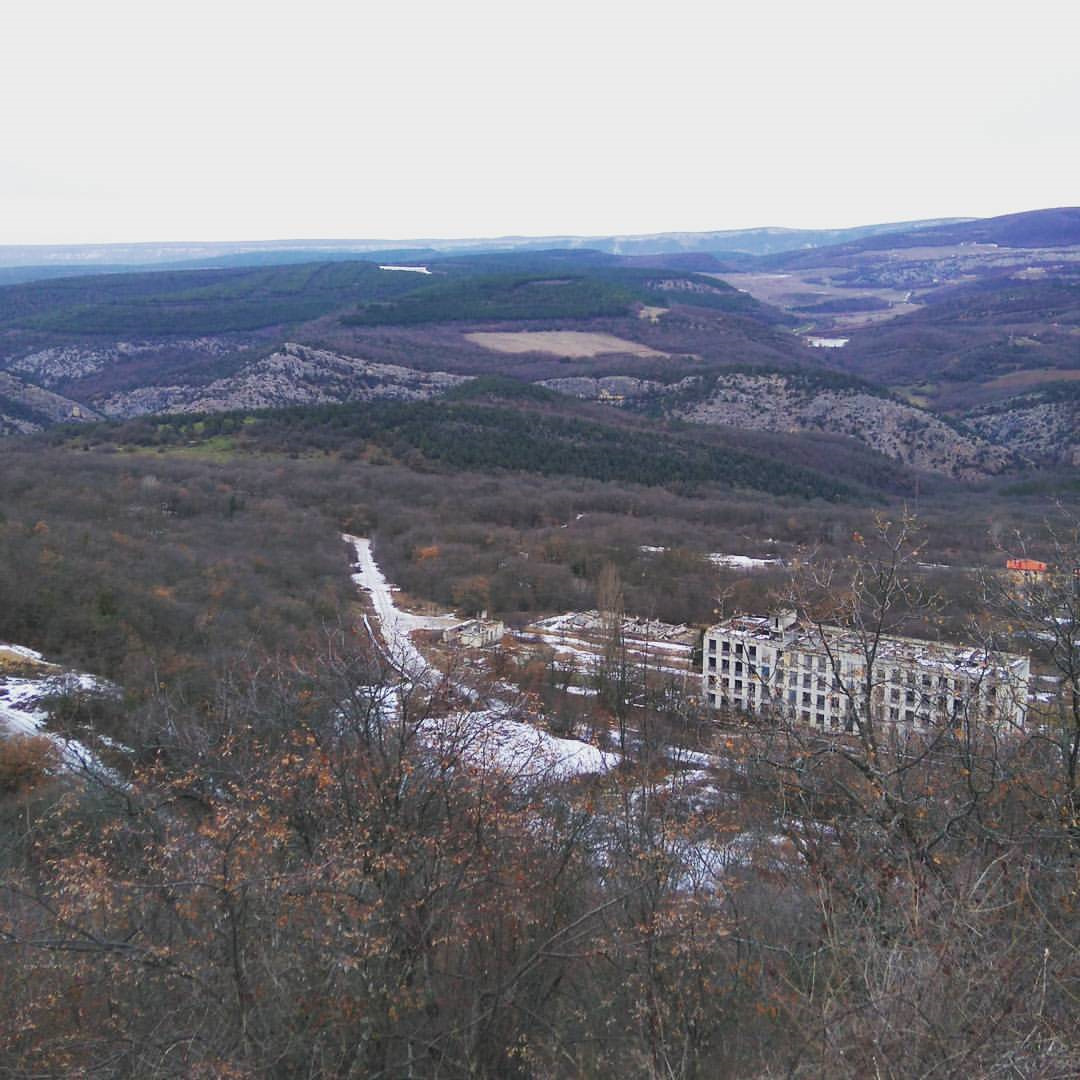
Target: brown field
1021, 380
573, 343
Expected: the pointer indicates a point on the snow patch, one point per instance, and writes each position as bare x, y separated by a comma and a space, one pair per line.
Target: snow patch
20, 713
743, 562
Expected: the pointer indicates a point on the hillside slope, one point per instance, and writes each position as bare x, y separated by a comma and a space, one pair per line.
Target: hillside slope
786, 402
291, 375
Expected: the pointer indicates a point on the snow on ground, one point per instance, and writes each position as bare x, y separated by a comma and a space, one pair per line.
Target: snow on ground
718, 558
668, 650
658, 634
491, 735
589, 653
409, 269
527, 752
21, 714
21, 652
636, 649
827, 342
743, 562
395, 625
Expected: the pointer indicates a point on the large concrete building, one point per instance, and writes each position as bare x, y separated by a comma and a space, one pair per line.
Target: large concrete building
818, 677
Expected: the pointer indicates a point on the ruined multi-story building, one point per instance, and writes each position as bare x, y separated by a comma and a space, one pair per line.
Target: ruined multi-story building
829, 678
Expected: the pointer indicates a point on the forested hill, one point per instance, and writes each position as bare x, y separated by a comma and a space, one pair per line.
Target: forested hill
501, 425
183, 302
645, 334
194, 301
121, 344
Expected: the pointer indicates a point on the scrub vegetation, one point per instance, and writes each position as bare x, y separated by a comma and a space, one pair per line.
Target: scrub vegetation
302, 860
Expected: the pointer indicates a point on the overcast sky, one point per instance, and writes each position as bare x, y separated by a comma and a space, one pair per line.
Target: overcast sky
125, 120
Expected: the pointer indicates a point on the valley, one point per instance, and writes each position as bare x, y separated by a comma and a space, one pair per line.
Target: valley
355, 714
968, 348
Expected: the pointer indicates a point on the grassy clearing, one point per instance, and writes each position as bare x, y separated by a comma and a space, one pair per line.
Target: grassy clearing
573, 343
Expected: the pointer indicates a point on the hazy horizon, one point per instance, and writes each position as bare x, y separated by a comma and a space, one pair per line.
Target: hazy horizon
158, 123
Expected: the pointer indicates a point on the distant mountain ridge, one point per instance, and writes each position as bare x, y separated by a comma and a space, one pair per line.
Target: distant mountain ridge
96, 258
1057, 227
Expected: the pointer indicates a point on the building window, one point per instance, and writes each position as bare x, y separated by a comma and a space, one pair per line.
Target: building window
726, 647
725, 665
806, 700
738, 684
821, 701
712, 644
712, 663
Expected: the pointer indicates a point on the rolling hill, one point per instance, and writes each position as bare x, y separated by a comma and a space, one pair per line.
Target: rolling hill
952, 348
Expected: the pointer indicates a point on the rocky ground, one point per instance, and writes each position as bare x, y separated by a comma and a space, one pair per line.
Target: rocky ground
292, 375
776, 402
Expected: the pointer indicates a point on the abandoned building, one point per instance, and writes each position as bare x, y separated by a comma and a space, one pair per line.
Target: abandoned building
830, 678
475, 634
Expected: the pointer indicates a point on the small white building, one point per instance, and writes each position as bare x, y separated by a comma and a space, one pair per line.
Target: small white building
819, 677
475, 634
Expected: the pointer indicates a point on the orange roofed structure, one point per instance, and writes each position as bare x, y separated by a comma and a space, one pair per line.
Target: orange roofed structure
1026, 566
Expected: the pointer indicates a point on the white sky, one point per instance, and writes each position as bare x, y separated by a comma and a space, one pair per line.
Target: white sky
126, 120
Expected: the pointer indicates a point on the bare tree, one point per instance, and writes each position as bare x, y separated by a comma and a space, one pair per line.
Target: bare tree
1042, 607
